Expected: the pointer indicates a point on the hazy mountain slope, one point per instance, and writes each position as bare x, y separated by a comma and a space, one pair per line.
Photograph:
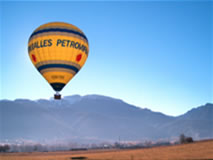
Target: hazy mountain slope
96, 118
197, 122
29, 120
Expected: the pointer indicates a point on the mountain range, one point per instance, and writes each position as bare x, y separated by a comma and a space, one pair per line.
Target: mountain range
95, 118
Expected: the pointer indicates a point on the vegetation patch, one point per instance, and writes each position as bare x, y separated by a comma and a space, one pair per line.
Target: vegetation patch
78, 158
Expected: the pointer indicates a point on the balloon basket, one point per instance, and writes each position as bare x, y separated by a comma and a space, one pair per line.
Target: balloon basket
57, 96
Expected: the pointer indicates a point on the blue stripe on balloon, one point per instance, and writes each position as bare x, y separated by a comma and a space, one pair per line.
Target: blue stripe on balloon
58, 66
58, 30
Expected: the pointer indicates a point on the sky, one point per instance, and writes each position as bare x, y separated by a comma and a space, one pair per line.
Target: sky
155, 55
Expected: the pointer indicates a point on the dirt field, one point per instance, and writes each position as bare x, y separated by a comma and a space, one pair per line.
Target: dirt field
195, 151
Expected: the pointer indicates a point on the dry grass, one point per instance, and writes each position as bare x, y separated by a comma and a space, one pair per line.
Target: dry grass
194, 151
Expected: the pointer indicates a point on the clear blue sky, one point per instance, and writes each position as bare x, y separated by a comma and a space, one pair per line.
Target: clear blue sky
155, 55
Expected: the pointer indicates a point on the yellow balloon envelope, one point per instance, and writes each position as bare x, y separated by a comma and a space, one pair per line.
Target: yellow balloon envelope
58, 50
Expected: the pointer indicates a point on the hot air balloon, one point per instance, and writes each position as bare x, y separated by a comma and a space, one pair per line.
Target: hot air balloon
58, 50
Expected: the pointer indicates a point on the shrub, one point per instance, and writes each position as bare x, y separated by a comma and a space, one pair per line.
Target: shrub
4, 148
184, 139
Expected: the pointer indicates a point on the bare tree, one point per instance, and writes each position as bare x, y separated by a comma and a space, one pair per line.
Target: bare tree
182, 139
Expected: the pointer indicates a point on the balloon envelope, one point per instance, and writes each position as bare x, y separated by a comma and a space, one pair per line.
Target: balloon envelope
58, 50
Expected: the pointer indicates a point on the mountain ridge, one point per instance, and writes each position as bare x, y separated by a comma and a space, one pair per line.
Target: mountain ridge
96, 117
